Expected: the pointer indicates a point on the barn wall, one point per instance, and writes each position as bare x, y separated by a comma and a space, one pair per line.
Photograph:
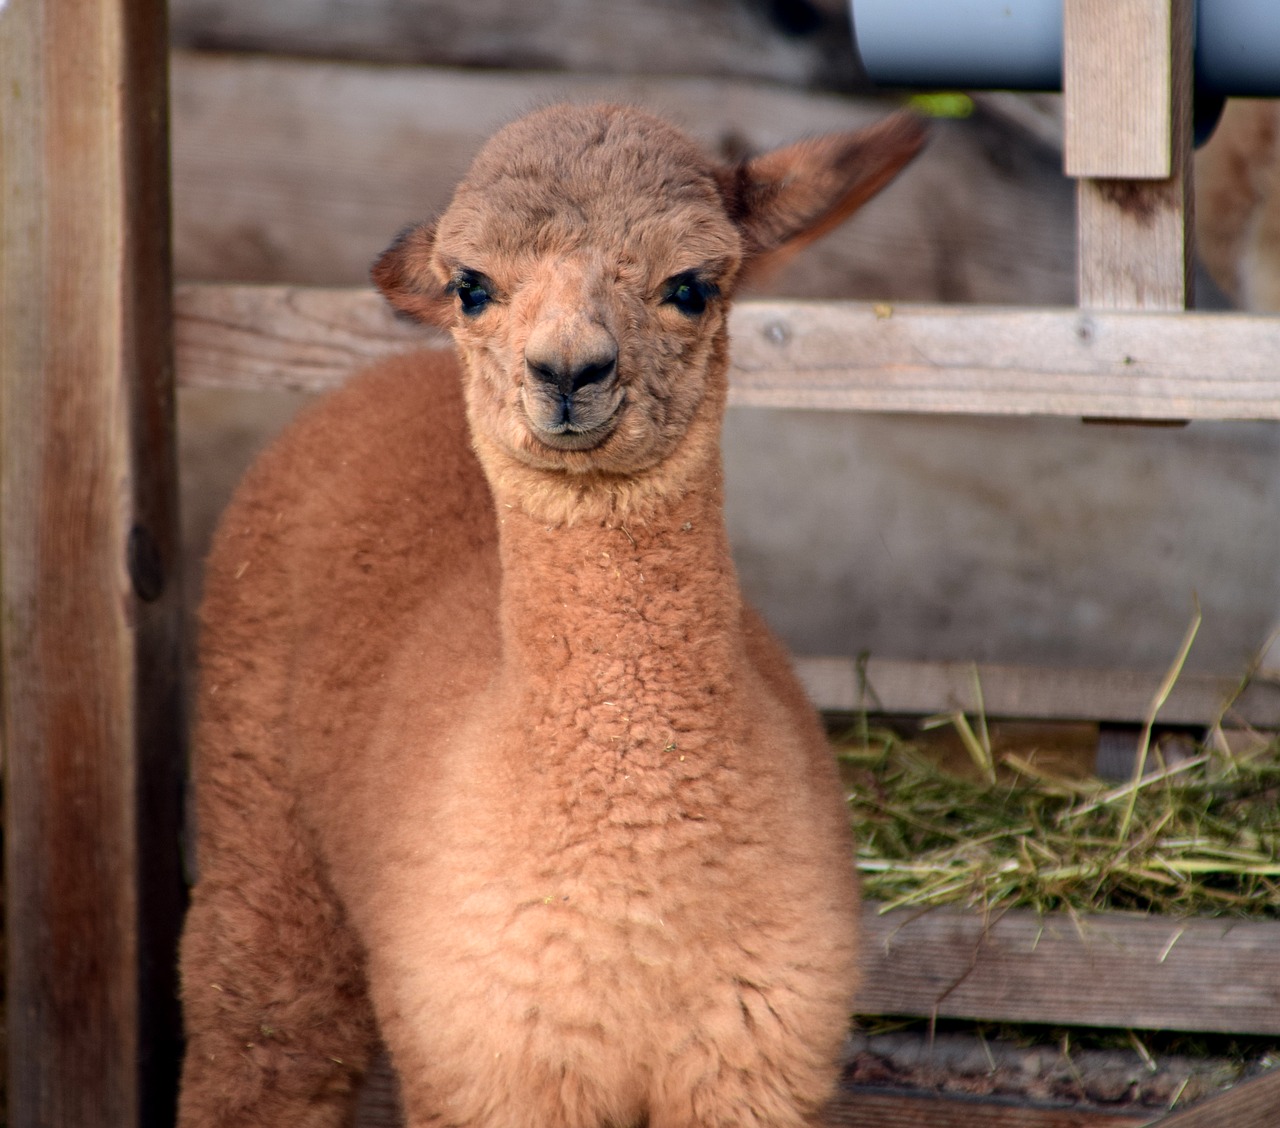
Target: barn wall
1041, 541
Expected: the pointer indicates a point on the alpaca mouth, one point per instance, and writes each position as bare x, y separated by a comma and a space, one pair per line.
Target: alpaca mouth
573, 422
573, 436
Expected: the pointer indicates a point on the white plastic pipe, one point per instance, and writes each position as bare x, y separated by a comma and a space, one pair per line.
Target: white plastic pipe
1017, 44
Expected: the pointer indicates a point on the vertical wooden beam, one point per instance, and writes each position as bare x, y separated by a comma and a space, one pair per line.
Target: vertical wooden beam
1127, 81
89, 581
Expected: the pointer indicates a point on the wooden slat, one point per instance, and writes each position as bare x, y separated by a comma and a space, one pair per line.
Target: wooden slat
1251, 1104
91, 720
877, 1108
896, 686
1127, 100
803, 44
1114, 970
981, 215
284, 337
823, 355
1118, 88
1134, 244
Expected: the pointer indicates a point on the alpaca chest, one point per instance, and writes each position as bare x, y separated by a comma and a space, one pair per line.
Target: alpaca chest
633, 876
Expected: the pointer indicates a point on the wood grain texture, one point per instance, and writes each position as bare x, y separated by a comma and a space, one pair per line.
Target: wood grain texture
1127, 98
92, 730
1118, 88
873, 1108
1115, 970
820, 355
301, 171
895, 686
1251, 1104
804, 44
285, 337
1134, 244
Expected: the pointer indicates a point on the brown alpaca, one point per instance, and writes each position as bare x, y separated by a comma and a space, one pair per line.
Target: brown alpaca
492, 762
1237, 182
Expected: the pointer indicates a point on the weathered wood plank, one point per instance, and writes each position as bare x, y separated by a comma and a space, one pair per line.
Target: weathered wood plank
1127, 100
1114, 970
1251, 1104
301, 171
91, 720
285, 337
1118, 83
875, 1108
941, 359
804, 43
895, 686
822, 355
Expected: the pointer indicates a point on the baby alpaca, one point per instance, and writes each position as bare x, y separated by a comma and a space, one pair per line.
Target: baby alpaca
492, 762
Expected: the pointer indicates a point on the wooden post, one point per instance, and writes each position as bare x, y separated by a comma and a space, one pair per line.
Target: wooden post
92, 718
1127, 84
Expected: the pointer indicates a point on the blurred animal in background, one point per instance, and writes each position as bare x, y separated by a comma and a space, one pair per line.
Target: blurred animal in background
1237, 185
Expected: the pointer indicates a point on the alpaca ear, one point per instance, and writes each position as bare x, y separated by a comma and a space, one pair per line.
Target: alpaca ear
785, 199
404, 275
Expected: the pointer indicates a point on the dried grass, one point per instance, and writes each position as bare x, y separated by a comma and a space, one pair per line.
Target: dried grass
1200, 836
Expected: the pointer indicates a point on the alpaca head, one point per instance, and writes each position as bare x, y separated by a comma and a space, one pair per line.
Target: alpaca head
585, 267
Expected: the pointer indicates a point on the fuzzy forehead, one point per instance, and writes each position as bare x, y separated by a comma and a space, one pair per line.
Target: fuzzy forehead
610, 176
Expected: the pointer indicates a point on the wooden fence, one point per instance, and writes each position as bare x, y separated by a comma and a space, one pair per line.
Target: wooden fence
93, 726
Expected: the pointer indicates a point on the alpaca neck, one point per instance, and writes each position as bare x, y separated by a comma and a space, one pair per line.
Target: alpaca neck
589, 588
628, 626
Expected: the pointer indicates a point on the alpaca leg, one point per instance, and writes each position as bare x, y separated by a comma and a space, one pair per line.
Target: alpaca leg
737, 1101
751, 1073
484, 1087
278, 1024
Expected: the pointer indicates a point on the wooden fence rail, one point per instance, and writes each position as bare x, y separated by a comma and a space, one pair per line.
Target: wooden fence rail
854, 356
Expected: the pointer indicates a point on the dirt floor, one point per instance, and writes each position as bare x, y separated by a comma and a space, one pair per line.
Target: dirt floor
1077, 1068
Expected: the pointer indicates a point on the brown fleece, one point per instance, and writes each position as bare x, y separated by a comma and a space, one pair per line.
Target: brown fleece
492, 762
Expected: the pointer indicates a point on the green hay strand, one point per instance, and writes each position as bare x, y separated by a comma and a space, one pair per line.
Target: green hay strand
1199, 837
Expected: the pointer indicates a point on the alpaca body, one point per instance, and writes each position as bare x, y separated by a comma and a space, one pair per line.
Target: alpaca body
493, 763
558, 913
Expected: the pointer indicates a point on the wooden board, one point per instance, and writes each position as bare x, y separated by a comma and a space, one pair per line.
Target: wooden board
896, 686
802, 43
1127, 93
872, 1108
297, 171
92, 732
1113, 970
1251, 1104
820, 355
1120, 77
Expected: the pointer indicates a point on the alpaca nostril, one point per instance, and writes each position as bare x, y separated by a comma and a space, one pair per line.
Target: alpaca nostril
568, 378
595, 372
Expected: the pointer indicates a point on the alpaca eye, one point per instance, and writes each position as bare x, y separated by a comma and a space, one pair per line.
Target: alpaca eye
689, 293
473, 292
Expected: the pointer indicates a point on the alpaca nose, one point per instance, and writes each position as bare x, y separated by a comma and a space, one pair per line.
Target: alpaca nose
568, 375
570, 361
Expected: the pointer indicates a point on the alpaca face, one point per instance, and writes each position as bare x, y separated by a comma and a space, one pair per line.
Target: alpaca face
588, 256
584, 268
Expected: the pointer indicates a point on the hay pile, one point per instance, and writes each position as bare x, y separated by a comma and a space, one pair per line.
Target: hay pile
1197, 836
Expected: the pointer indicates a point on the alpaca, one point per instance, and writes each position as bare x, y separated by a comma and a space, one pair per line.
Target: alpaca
1237, 184
492, 762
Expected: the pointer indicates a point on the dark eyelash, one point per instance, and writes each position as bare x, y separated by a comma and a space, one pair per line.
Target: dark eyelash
689, 292
473, 289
